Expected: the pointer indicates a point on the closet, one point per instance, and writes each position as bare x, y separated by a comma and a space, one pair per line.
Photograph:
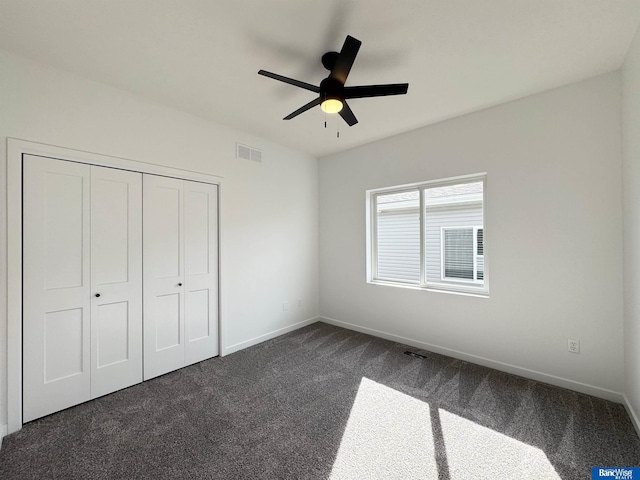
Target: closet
120, 279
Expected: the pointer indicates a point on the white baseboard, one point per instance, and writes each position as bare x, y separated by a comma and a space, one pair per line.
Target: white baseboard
3, 433
635, 419
504, 367
268, 336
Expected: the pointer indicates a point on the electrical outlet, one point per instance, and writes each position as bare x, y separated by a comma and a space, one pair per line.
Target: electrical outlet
299, 302
285, 306
573, 346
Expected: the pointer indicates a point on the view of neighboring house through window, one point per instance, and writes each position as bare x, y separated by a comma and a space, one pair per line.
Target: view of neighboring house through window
398, 241
460, 258
429, 235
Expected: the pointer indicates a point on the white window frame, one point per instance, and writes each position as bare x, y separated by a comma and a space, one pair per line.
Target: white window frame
474, 280
478, 288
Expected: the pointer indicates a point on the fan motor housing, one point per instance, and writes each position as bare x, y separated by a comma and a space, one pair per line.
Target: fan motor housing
329, 60
331, 88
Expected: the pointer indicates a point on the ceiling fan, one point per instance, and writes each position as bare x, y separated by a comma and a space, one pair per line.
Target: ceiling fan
332, 93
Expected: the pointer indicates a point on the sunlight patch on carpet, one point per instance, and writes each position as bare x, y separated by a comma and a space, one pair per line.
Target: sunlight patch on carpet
388, 435
474, 451
391, 435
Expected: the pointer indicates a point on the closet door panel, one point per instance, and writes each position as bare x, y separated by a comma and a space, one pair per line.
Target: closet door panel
201, 271
116, 280
166, 210
111, 327
167, 320
56, 285
163, 249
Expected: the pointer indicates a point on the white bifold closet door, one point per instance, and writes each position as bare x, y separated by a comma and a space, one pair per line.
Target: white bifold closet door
82, 285
116, 275
180, 273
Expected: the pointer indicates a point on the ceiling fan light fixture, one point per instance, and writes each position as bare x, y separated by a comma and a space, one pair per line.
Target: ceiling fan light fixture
331, 105
332, 93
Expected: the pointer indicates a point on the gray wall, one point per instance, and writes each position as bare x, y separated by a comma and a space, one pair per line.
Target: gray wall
553, 228
631, 176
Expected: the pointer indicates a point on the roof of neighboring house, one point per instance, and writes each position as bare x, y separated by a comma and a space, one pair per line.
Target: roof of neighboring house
444, 195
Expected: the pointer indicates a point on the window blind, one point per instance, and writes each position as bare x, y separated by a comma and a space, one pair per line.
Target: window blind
458, 253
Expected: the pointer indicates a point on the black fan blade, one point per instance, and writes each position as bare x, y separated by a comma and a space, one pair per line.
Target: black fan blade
376, 90
348, 115
345, 59
302, 109
290, 81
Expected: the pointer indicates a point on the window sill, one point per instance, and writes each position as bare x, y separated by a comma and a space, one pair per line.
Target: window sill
468, 292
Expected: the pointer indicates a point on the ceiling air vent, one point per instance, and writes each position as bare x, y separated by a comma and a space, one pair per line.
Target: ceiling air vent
246, 152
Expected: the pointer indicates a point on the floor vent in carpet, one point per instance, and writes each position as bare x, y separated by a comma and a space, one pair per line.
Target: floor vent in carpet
414, 354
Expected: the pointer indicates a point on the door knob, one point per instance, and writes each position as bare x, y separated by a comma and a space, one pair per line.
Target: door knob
97, 295
180, 284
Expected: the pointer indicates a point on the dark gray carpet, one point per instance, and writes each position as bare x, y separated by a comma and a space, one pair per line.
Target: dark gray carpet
281, 410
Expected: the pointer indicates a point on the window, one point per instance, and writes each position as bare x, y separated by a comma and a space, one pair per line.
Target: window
461, 253
429, 235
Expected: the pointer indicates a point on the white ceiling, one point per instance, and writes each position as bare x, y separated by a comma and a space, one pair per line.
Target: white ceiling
202, 56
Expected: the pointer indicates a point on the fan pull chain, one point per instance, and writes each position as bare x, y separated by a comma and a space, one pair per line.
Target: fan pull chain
337, 128
325, 119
